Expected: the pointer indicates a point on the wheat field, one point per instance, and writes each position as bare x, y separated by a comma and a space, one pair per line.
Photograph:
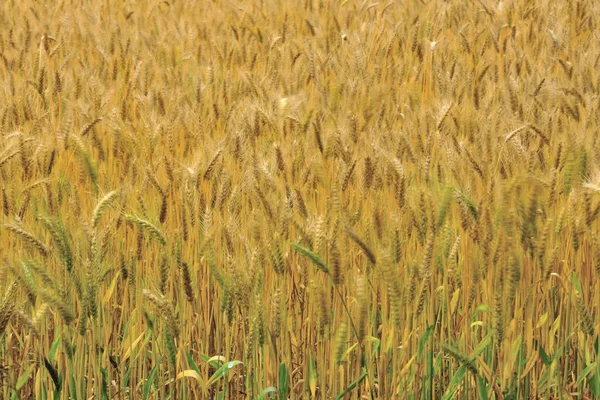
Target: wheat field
327, 199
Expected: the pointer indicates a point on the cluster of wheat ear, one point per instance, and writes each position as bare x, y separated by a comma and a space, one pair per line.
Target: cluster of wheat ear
316, 199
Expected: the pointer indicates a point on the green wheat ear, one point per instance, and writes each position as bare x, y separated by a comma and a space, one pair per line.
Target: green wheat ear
319, 263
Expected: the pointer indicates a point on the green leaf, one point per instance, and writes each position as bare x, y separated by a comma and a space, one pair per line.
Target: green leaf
127, 377
191, 362
73, 390
576, 282
283, 381
482, 308
104, 384
351, 387
223, 370
265, 392
312, 375
583, 374
594, 382
424, 340
53, 349
24, 377
455, 383
313, 257
149, 382
482, 345
545, 358
482, 388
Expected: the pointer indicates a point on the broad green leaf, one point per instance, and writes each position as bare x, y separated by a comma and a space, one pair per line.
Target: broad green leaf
544, 356
222, 371
191, 362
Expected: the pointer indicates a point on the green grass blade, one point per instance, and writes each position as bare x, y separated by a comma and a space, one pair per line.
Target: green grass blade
351, 387
149, 382
454, 384
283, 381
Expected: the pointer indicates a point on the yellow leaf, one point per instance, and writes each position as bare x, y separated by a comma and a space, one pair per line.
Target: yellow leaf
127, 348
110, 289
370, 339
347, 352
218, 358
293, 339
312, 377
407, 366
542, 321
555, 326
454, 301
484, 368
534, 357
190, 373
390, 339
